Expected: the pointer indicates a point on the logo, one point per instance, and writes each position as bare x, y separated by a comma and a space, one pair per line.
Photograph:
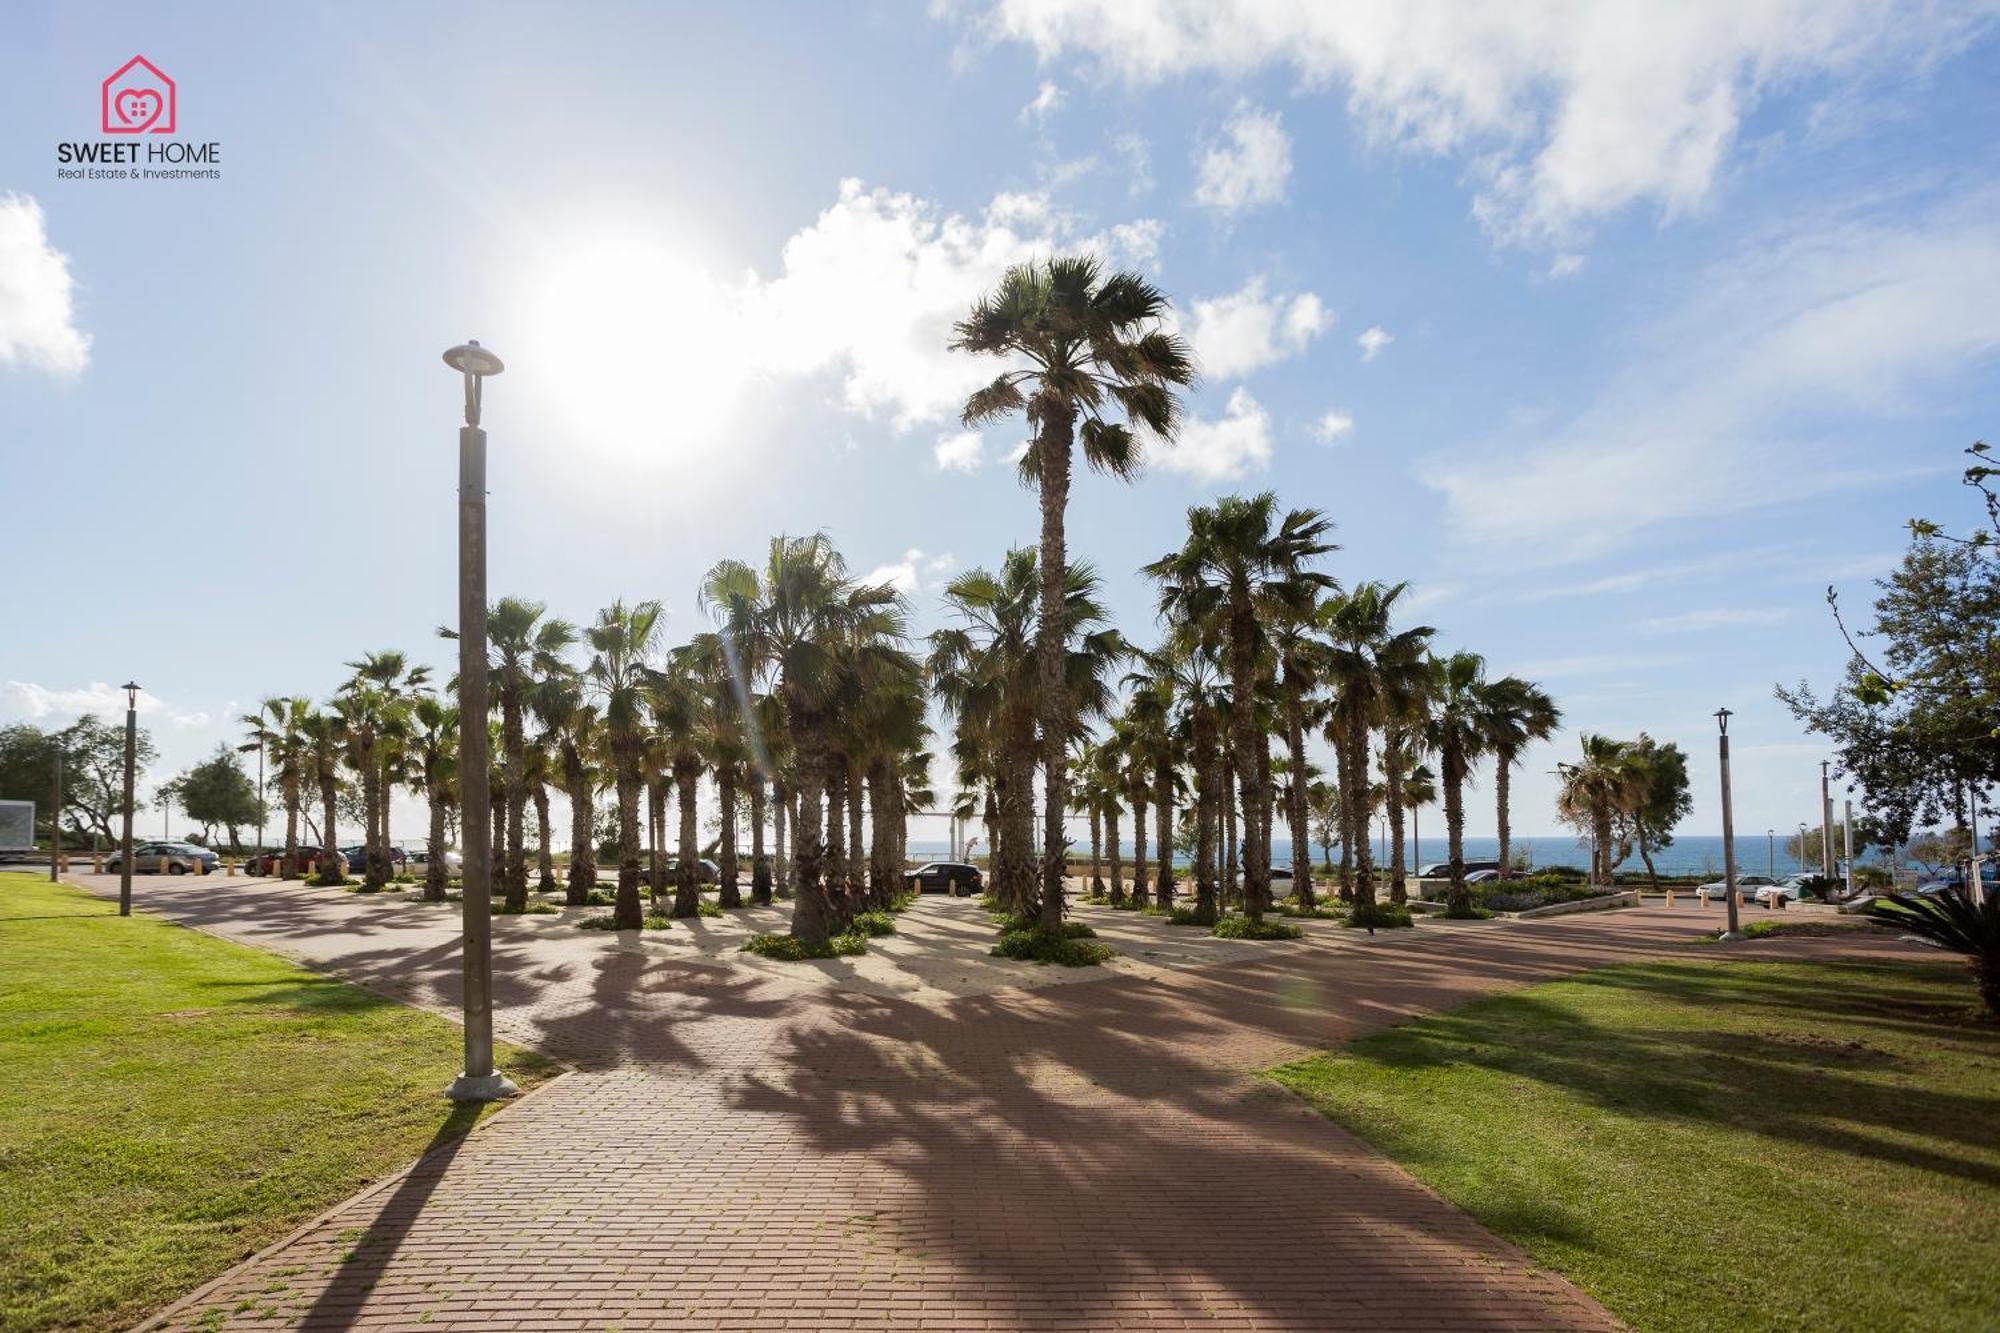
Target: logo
139, 99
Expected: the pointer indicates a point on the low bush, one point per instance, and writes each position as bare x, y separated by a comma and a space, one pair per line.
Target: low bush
1378, 916
1060, 948
1189, 916
785, 949
1321, 911
1071, 930
1096, 899
875, 923
1470, 912
532, 909
1129, 905
1243, 928
902, 901
653, 920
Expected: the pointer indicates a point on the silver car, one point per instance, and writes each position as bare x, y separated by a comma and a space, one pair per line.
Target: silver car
182, 858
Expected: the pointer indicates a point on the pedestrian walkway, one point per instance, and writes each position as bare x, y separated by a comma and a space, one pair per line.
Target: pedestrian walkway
742, 1148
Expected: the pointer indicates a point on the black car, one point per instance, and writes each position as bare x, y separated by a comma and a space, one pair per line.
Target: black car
945, 877
1442, 869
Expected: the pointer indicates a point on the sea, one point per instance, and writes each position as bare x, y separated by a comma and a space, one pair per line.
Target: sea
1691, 854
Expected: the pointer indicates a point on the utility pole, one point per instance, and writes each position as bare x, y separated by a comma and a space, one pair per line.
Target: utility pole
1847, 840
1728, 826
55, 820
1826, 822
1771, 853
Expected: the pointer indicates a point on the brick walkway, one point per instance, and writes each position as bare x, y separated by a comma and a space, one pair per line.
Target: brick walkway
747, 1149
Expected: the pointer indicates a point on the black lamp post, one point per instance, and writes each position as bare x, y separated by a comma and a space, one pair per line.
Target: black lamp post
1728, 826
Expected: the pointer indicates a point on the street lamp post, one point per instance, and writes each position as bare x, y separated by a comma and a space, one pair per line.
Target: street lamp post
131, 763
479, 1081
1826, 822
1728, 826
1847, 840
55, 820
1771, 853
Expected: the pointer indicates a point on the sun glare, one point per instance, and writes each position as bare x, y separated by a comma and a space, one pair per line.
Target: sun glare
638, 351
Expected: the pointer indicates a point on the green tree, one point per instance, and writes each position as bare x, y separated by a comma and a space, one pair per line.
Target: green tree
620, 676
1089, 350
217, 792
1456, 730
1658, 798
1517, 714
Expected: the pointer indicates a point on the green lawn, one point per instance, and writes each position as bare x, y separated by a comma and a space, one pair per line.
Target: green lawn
170, 1103
1710, 1145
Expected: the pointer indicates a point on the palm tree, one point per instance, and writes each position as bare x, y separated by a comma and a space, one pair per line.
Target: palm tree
324, 739
1593, 793
1376, 673
1456, 730
1419, 790
1246, 569
435, 742
620, 676
1107, 775
1517, 713
571, 724
1095, 350
800, 611
523, 649
394, 684
680, 700
280, 721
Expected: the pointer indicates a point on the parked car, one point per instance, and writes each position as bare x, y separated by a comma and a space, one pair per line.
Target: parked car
944, 877
357, 859
182, 858
272, 862
1480, 876
453, 862
1442, 869
1954, 878
1792, 890
1745, 883
705, 870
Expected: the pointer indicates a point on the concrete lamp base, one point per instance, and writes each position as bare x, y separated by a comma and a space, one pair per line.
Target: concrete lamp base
489, 1088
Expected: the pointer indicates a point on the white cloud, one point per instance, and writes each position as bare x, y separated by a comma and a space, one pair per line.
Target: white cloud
1720, 617
959, 453
1138, 156
1249, 167
1043, 104
1727, 404
34, 702
871, 289
915, 572
1561, 113
1249, 329
1565, 266
1334, 427
37, 313
1372, 341
1233, 446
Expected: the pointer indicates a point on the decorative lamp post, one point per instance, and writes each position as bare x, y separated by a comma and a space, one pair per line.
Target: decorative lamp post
479, 1081
1728, 826
131, 763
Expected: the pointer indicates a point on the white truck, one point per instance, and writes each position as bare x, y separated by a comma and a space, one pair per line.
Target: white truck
17, 829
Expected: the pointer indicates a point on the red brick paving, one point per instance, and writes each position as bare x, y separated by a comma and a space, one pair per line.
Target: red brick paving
743, 1151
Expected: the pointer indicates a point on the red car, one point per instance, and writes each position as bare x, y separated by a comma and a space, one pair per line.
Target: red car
270, 863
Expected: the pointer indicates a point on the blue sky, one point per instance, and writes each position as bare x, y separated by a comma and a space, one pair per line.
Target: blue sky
1619, 335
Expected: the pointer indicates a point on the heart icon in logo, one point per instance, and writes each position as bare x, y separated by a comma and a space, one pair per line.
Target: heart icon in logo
137, 108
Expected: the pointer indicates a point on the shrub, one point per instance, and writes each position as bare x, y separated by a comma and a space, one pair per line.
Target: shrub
1189, 916
1470, 912
785, 949
1129, 905
1062, 949
1291, 908
1952, 920
1378, 916
901, 902
1071, 930
653, 921
875, 923
532, 909
599, 898
1096, 899
1243, 928
708, 909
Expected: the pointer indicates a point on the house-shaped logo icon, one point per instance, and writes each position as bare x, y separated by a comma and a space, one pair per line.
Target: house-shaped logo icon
139, 99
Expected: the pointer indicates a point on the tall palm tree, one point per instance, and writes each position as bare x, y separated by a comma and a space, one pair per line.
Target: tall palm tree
280, 722
1092, 360
1593, 792
680, 700
1247, 569
1518, 713
1419, 790
435, 744
1456, 730
524, 648
571, 723
620, 676
800, 610
395, 684
1375, 672
324, 740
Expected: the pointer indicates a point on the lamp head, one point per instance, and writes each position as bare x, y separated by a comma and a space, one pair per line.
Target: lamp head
1722, 716
472, 359
131, 689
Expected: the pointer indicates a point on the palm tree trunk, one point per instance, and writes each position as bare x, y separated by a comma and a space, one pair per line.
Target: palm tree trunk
1096, 851
1454, 828
1503, 763
291, 790
760, 865
329, 847
582, 834
1297, 807
545, 855
513, 775
1226, 822
857, 865
781, 879
1364, 856
1163, 822
1207, 816
687, 853
1392, 781
656, 836
1140, 885
627, 913
812, 914
435, 869
1117, 853
377, 873
883, 807
726, 893
1014, 871
1051, 650
995, 830
836, 845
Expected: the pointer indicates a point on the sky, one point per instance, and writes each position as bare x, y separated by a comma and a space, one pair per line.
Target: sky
1619, 332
